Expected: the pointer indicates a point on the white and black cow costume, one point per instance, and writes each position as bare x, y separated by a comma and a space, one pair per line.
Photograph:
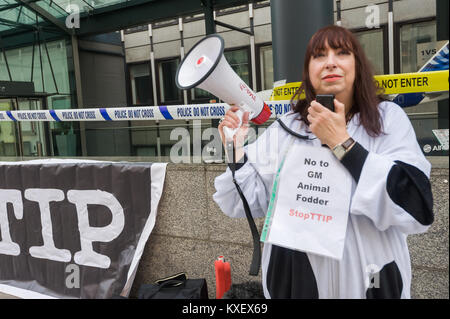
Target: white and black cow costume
391, 198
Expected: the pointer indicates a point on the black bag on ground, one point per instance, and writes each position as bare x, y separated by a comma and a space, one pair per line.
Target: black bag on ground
175, 287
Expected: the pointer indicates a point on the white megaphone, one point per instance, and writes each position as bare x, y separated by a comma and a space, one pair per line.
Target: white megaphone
206, 68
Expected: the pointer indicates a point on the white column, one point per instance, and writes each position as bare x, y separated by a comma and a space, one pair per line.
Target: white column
391, 37
152, 65
252, 47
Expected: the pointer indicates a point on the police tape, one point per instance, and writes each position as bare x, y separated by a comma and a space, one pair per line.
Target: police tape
279, 103
426, 82
134, 113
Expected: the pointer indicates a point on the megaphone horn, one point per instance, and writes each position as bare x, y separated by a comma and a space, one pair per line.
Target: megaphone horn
205, 67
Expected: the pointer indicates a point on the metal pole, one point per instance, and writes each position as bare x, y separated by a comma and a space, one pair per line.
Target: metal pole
210, 26
40, 62
76, 67
6, 60
18, 128
125, 65
442, 34
32, 57
293, 24
180, 29
50, 63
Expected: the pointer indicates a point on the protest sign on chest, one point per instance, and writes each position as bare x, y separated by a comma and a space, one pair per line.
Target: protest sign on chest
311, 205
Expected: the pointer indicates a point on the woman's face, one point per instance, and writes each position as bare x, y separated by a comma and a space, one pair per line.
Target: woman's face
332, 71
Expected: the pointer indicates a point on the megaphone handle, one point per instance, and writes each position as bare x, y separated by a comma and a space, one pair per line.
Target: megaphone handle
229, 132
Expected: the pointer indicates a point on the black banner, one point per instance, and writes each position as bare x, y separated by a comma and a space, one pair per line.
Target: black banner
75, 230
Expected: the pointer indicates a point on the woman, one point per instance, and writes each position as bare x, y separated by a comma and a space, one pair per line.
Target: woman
390, 189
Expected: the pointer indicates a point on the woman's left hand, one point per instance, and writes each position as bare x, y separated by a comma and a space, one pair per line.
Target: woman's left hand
329, 127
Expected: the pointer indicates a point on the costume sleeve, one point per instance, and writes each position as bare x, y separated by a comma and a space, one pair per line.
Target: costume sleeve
393, 187
254, 177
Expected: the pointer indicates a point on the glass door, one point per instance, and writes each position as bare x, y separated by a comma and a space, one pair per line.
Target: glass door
22, 138
32, 133
8, 130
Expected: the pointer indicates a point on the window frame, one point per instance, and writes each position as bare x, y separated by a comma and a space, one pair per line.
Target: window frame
129, 86
384, 30
259, 70
249, 59
397, 27
397, 69
158, 82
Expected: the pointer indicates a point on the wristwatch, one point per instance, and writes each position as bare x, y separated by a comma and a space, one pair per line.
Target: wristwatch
341, 149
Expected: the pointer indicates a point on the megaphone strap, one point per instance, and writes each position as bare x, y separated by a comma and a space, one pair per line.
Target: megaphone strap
256, 256
287, 129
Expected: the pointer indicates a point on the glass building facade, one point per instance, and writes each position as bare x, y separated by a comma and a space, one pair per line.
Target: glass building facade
139, 70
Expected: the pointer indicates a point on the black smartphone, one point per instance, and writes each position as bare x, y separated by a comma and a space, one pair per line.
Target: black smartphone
326, 100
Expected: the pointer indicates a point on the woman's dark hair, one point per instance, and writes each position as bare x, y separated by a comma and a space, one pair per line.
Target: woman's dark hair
366, 93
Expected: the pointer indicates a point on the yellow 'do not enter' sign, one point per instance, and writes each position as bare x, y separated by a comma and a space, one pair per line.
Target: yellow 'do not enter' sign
391, 84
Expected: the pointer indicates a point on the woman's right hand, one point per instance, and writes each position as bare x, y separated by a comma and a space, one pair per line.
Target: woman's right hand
231, 120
